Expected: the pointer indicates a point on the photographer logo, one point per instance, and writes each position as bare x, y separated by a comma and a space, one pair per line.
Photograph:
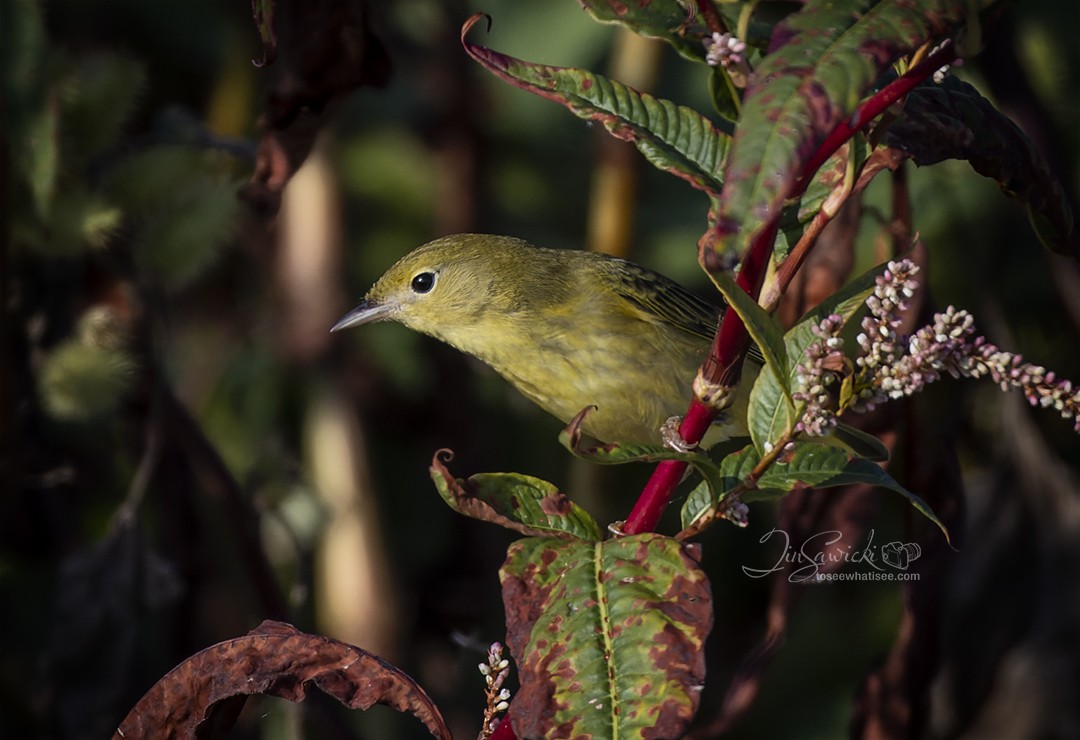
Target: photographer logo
823, 556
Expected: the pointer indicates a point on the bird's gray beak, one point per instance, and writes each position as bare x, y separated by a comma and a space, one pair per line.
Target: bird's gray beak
365, 313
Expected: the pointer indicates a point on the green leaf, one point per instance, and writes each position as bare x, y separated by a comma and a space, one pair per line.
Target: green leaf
670, 20
860, 470
608, 637
734, 469
673, 138
861, 443
809, 464
824, 58
617, 453
763, 328
954, 121
726, 98
518, 502
770, 414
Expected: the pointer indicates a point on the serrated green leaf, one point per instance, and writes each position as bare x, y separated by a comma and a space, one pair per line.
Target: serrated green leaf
673, 138
823, 59
734, 469
954, 121
607, 636
860, 470
519, 502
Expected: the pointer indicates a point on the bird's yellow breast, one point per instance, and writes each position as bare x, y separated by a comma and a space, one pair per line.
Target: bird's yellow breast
636, 372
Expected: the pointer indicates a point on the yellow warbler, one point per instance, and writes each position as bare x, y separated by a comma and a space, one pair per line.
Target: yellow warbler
566, 328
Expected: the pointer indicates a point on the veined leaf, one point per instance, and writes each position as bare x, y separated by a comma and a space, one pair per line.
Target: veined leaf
954, 121
672, 137
763, 328
861, 443
518, 502
619, 453
670, 20
770, 414
607, 636
809, 464
821, 62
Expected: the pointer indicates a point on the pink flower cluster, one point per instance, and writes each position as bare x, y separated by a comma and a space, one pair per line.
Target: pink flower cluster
890, 367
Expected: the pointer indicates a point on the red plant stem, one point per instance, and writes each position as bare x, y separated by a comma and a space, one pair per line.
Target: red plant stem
726, 353
504, 731
712, 19
732, 337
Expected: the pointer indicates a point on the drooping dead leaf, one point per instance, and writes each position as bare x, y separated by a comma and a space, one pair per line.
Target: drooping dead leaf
275, 659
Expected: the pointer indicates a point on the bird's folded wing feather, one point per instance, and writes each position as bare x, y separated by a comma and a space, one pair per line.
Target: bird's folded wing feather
673, 304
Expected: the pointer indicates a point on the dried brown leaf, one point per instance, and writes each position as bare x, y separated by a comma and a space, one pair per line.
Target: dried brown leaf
275, 659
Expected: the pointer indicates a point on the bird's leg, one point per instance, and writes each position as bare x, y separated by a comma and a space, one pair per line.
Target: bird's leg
669, 432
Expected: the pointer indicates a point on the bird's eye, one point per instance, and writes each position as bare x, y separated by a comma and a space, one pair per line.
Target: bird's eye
423, 282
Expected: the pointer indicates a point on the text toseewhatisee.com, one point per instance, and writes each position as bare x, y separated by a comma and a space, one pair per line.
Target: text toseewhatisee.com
871, 576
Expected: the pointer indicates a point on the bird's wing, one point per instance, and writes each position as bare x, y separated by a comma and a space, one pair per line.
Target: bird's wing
666, 300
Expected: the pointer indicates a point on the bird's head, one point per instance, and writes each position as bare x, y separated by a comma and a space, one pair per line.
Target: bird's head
445, 285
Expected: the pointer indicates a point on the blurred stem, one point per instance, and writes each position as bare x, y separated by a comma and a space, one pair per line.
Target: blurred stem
635, 61
148, 464
712, 19
900, 228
